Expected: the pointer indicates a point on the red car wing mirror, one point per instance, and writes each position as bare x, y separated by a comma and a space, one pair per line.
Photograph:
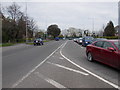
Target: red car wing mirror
111, 49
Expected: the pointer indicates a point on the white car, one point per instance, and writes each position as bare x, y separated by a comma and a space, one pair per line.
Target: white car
79, 41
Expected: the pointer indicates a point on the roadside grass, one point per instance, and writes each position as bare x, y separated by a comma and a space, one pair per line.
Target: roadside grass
11, 44
6, 44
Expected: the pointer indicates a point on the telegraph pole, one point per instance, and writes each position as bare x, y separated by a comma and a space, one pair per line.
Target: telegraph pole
93, 25
0, 23
26, 23
92, 28
119, 19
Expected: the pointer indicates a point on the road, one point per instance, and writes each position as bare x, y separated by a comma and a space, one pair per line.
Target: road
57, 64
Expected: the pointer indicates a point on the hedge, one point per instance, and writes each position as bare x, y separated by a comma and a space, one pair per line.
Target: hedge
109, 37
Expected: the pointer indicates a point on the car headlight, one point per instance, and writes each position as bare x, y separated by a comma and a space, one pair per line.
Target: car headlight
86, 42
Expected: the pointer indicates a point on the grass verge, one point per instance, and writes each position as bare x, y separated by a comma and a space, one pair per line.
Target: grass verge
6, 44
11, 44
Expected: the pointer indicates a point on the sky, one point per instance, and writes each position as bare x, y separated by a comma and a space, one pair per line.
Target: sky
81, 15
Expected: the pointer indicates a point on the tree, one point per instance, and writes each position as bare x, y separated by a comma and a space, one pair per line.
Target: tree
14, 24
109, 29
14, 15
86, 32
61, 36
22, 27
53, 30
31, 26
14, 11
39, 34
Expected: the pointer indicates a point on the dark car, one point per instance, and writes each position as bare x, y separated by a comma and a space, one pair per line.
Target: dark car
38, 41
57, 38
87, 40
70, 38
105, 51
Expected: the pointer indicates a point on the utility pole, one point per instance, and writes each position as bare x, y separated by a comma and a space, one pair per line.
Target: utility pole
93, 24
92, 19
0, 43
1, 23
26, 24
119, 19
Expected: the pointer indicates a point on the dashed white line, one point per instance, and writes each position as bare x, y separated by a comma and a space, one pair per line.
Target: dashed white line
51, 81
97, 76
24, 77
70, 69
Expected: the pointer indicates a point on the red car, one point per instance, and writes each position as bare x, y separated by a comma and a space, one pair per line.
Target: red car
105, 51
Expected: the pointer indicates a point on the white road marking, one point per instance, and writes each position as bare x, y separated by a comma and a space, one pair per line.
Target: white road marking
24, 77
95, 75
81, 47
67, 68
51, 81
61, 58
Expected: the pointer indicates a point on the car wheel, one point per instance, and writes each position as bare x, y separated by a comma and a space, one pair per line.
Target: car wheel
89, 57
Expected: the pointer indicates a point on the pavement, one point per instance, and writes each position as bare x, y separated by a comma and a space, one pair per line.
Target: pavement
58, 64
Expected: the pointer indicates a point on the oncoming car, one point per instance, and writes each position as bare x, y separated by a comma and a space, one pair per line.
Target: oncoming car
105, 51
38, 41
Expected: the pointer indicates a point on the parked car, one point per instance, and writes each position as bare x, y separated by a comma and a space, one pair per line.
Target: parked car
87, 40
75, 39
38, 41
79, 41
105, 51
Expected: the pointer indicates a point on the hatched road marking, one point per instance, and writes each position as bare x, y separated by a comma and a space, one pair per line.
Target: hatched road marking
51, 81
61, 58
67, 68
24, 77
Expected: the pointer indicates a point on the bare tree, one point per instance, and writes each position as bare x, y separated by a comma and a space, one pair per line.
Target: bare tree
14, 11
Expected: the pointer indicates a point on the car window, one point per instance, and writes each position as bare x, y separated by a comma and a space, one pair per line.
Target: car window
89, 38
117, 44
99, 44
107, 44
38, 39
